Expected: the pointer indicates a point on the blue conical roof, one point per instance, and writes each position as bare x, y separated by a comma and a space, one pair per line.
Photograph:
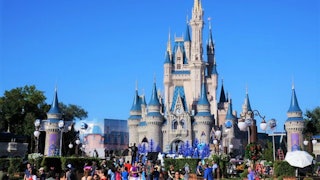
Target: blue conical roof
54, 109
187, 36
294, 106
167, 58
247, 102
203, 98
214, 69
136, 105
154, 101
229, 115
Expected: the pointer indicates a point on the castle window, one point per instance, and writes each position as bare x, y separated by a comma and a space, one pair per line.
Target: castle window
183, 124
178, 66
174, 124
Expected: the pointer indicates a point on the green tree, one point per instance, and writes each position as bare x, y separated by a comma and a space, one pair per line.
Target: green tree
71, 112
19, 108
267, 153
312, 125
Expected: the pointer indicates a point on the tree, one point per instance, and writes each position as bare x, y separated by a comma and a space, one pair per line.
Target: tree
267, 153
72, 112
312, 124
19, 108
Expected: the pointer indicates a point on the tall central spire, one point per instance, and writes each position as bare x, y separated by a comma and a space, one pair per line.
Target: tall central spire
197, 6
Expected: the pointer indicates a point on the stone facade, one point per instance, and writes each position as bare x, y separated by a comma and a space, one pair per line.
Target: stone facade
189, 109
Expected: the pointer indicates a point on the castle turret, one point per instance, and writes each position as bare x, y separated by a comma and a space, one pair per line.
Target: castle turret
53, 136
294, 124
134, 119
203, 118
154, 118
247, 114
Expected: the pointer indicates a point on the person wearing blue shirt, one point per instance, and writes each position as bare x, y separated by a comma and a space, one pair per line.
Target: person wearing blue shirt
250, 174
207, 175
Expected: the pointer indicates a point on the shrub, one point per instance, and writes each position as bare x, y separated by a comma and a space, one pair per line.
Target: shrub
283, 168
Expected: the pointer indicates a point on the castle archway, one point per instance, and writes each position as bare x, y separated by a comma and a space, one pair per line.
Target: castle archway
176, 145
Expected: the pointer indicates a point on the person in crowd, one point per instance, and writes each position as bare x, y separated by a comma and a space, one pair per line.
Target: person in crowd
156, 174
143, 173
149, 169
118, 173
177, 176
93, 168
103, 174
171, 172
86, 173
32, 174
27, 171
207, 174
134, 172
52, 173
51, 176
111, 173
96, 177
199, 169
128, 165
186, 171
42, 174
250, 175
103, 164
124, 173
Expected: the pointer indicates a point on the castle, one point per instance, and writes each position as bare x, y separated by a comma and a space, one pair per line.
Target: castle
189, 109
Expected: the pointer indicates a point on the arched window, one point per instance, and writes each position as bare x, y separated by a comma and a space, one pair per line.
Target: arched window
183, 123
174, 124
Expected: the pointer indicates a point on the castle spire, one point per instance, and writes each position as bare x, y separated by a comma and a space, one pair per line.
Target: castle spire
197, 7
222, 94
203, 100
54, 112
154, 101
169, 43
187, 35
247, 101
294, 106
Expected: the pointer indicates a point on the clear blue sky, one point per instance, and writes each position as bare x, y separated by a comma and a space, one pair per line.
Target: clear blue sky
95, 51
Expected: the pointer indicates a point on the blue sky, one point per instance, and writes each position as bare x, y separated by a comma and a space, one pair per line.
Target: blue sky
96, 51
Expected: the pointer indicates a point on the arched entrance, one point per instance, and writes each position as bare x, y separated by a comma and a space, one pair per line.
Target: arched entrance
176, 146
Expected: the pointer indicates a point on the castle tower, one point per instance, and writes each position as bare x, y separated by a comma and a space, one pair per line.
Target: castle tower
294, 124
52, 145
248, 114
197, 65
154, 118
203, 118
222, 107
134, 119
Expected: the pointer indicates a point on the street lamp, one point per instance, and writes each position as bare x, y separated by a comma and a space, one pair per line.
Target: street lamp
61, 126
216, 140
77, 142
36, 134
313, 141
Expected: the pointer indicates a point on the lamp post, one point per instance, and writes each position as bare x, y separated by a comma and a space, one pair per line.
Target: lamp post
36, 134
216, 140
313, 142
61, 126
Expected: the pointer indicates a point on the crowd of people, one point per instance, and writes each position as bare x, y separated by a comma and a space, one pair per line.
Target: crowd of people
119, 170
